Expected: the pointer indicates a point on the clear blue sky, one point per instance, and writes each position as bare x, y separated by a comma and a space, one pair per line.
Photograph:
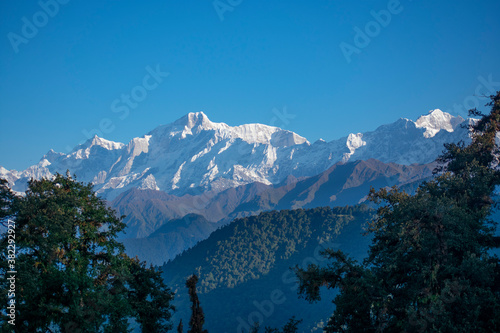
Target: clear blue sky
263, 55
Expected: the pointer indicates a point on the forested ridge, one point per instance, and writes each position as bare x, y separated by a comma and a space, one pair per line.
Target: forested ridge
244, 262
249, 247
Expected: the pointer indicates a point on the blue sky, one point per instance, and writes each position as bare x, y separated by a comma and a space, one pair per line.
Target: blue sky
274, 62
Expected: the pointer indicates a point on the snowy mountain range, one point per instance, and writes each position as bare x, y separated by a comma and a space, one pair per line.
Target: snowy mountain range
193, 154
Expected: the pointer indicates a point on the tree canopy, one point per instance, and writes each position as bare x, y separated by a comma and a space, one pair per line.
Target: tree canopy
429, 267
72, 273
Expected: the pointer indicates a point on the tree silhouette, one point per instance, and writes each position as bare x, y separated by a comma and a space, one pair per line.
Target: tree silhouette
180, 328
197, 316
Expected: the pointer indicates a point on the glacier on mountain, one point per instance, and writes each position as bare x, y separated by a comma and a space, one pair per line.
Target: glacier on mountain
194, 154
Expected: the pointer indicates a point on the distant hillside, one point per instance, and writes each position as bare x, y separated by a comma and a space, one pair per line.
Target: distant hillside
245, 264
342, 184
172, 237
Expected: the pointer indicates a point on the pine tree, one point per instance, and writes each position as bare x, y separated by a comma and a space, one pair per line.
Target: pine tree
197, 316
6, 198
72, 273
428, 267
292, 326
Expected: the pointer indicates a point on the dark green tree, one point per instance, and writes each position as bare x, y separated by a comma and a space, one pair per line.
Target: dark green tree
149, 296
197, 317
429, 267
72, 273
6, 198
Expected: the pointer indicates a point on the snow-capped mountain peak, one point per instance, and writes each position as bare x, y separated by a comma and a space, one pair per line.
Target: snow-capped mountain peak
97, 141
190, 124
195, 154
436, 121
195, 120
84, 150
